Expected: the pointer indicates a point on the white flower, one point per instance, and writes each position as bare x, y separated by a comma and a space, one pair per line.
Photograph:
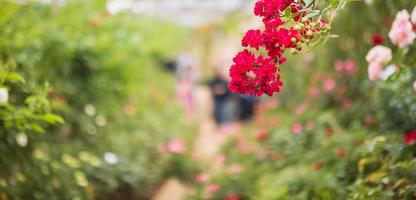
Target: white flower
413, 16
90, 110
110, 158
21, 139
414, 86
4, 95
100, 121
368, 2
390, 70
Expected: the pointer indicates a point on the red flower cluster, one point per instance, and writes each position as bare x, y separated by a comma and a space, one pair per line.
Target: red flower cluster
410, 139
257, 74
232, 197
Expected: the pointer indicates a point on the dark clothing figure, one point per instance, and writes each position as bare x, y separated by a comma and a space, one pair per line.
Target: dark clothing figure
221, 97
246, 107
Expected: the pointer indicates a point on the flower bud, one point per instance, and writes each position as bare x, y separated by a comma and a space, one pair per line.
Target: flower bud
293, 40
304, 19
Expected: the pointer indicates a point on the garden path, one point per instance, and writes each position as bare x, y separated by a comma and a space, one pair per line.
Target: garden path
206, 145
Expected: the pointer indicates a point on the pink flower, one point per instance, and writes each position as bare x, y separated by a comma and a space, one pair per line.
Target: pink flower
235, 169
374, 71
339, 65
329, 84
350, 66
297, 128
176, 146
401, 32
346, 104
202, 178
314, 91
219, 160
310, 125
213, 188
379, 55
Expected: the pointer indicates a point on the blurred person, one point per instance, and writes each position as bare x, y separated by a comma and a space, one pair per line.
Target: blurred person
187, 76
247, 105
221, 96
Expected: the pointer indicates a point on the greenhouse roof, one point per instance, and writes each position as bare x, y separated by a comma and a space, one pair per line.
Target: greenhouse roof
184, 12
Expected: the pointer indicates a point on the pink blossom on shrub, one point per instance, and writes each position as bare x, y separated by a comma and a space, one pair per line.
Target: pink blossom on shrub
235, 169
219, 160
314, 91
379, 54
329, 84
346, 104
176, 146
201, 178
377, 57
309, 125
350, 66
401, 32
297, 128
213, 188
299, 109
339, 65
374, 71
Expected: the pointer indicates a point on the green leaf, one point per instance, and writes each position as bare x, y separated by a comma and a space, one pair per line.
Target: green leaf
52, 119
15, 77
38, 128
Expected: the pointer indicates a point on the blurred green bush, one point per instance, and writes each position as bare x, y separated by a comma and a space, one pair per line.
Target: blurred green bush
88, 103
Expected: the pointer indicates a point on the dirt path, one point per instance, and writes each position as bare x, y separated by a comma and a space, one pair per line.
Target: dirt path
206, 146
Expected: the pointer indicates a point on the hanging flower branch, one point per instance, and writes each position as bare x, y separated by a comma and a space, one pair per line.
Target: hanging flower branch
289, 25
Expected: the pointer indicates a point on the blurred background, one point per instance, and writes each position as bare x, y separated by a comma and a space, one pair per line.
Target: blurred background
129, 99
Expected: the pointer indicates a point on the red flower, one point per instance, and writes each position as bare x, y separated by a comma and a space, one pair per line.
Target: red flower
262, 135
253, 39
231, 197
410, 138
341, 152
258, 75
254, 75
318, 165
377, 39
329, 132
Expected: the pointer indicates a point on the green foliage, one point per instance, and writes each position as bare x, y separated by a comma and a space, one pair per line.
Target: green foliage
82, 85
